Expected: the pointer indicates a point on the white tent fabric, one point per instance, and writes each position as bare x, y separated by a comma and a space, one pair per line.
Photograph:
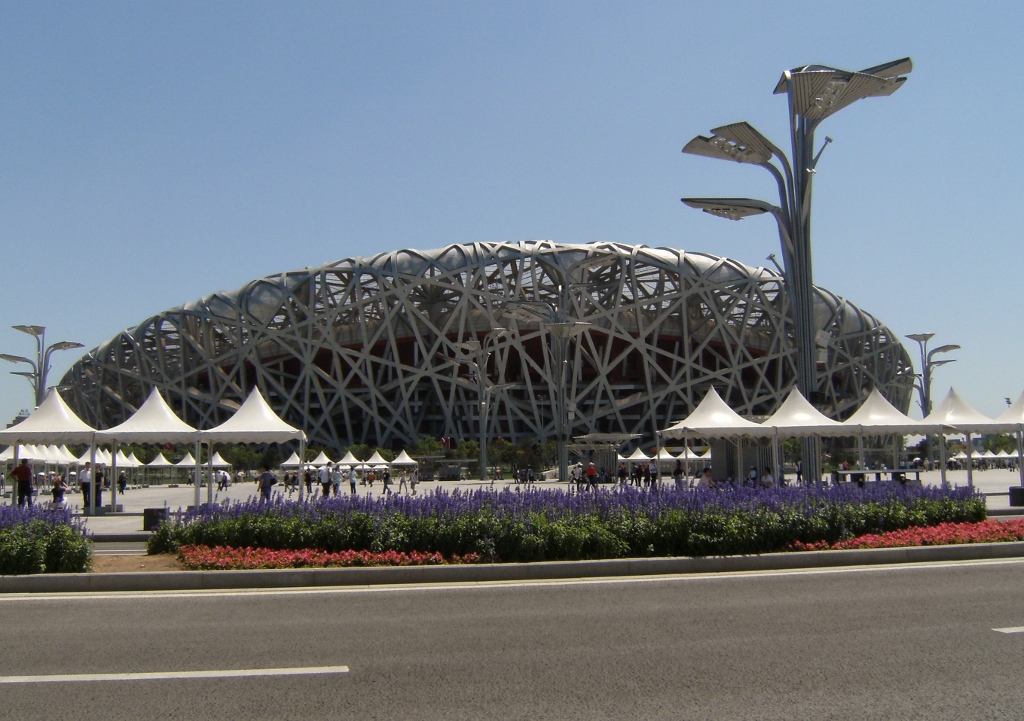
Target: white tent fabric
123, 461
254, 422
713, 418
292, 462
188, 461
878, 416
404, 459
377, 460
636, 456
797, 417
135, 462
321, 460
954, 412
159, 462
51, 422
349, 460
1013, 417
219, 462
154, 421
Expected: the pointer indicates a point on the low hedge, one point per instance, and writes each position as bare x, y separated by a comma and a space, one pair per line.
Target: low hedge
540, 525
42, 541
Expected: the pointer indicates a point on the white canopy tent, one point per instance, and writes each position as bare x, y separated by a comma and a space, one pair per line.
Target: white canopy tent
292, 461
954, 412
153, 422
404, 459
321, 460
219, 462
254, 422
377, 460
877, 416
351, 460
1013, 417
713, 418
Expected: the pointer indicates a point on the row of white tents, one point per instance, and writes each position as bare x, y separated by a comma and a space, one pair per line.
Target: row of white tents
350, 461
53, 422
797, 417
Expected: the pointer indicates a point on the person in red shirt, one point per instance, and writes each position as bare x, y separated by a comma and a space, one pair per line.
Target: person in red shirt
23, 475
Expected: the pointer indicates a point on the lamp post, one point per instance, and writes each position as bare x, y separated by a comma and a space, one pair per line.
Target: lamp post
924, 388
481, 354
41, 365
815, 92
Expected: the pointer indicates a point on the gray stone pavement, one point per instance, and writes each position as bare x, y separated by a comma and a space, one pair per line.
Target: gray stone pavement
135, 500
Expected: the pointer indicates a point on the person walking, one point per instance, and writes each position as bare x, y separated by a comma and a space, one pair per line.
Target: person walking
59, 486
336, 477
85, 485
352, 479
591, 474
386, 476
677, 474
325, 481
403, 481
266, 482
22, 475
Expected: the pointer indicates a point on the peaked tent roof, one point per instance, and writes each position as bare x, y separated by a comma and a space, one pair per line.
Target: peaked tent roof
159, 462
292, 462
954, 412
637, 456
713, 418
1014, 415
404, 459
254, 422
188, 461
349, 460
877, 415
124, 461
797, 416
321, 460
377, 459
154, 421
219, 462
51, 422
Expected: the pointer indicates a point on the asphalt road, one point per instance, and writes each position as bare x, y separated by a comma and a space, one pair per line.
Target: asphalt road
871, 643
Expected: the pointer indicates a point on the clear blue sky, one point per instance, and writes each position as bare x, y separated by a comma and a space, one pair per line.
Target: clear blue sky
152, 153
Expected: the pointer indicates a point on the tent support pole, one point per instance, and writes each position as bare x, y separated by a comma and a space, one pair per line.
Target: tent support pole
197, 470
299, 476
860, 449
942, 457
209, 473
92, 478
113, 476
17, 451
1020, 454
970, 462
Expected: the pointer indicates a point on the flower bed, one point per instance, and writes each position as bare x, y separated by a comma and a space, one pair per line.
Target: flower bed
42, 540
944, 534
222, 557
537, 525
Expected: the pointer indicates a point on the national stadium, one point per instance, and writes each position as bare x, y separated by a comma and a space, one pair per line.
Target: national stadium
601, 338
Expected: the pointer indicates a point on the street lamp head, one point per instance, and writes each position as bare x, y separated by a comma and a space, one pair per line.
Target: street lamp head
15, 358
740, 142
36, 330
943, 349
66, 345
936, 364
730, 208
818, 91
921, 337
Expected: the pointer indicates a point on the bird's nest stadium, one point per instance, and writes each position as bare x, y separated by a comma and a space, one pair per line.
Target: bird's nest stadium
572, 340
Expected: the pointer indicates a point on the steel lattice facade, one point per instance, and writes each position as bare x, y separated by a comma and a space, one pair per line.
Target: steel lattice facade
368, 350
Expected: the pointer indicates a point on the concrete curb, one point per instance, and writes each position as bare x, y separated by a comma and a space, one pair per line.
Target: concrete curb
324, 577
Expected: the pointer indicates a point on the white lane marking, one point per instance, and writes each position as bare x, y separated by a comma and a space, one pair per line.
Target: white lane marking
1011, 629
467, 585
177, 675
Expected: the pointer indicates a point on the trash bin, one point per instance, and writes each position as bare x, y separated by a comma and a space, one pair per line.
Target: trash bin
152, 517
1017, 495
